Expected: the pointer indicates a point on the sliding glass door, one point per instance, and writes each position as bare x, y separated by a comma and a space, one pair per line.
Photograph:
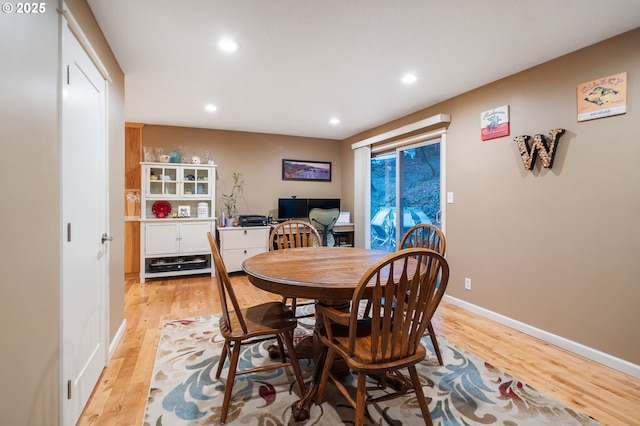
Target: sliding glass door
405, 190
383, 201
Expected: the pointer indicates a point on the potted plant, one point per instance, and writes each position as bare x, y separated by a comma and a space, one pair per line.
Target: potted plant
230, 200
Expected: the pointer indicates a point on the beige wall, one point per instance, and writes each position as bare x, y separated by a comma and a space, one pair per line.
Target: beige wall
258, 157
29, 129
553, 248
30, 261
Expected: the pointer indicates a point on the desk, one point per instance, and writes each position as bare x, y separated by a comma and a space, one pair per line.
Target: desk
327, 274
344, 234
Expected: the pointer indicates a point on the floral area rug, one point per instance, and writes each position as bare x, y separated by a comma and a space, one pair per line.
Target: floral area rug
465, 391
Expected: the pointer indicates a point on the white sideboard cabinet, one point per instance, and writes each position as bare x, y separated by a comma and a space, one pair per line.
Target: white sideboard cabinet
240, 243
177, 211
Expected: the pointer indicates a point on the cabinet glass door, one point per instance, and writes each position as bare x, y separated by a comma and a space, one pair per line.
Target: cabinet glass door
162, 181
195, 182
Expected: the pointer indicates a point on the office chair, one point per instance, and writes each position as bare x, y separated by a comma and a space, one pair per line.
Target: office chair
323, 220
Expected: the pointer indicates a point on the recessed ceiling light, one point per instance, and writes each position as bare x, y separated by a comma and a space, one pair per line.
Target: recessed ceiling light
335, 121
228, 44
210, 107
409, 78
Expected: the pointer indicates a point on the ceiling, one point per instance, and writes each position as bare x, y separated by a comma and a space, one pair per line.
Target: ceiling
302, 62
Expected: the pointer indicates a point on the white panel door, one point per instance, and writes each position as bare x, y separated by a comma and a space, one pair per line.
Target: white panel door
84, 220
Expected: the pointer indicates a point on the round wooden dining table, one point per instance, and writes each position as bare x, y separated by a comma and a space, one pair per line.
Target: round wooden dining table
328, 275
319, 273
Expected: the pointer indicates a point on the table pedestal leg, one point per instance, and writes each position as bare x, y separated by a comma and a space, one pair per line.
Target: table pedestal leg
301, 409
310, 347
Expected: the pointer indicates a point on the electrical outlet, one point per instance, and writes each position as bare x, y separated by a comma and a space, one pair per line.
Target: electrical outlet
467, 283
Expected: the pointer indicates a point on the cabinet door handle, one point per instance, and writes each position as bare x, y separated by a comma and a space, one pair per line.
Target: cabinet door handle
245, 232
245, 252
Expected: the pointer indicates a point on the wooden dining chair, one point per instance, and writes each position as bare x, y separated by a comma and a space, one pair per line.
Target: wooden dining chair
292, 234
415, 279
240, 327
424, 235
428, 236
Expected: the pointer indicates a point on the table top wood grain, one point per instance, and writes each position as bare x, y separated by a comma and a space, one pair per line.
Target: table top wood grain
320, 273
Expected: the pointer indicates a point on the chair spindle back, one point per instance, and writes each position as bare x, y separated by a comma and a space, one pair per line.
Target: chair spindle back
292, 234
424, 235
409, 278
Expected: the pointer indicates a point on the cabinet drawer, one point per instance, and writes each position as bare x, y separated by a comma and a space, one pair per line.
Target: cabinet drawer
244, 238
233, 258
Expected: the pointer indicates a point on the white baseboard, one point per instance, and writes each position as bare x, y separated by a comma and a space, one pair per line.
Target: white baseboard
569, 345
116, 339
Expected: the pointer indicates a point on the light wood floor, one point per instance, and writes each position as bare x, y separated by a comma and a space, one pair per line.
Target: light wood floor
610, 397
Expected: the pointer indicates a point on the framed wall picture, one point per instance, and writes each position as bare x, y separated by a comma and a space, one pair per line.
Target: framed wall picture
602, 97
306, 170
494, 123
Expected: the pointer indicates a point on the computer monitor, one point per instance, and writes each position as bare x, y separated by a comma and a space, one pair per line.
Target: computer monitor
292, 208
324, 203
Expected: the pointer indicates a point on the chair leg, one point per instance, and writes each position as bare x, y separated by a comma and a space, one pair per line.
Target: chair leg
328, 362
361, 395
223, 358
424, 407
288, 343
231, 376
434, 340
293, 303
283, 357
367, 309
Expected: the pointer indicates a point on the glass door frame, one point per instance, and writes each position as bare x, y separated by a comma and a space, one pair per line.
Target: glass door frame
417, 141
399, 214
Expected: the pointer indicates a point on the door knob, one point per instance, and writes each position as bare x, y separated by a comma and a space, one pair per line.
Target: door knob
106, 238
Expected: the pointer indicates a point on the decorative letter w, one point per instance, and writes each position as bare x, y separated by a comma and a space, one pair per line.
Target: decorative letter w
547, 152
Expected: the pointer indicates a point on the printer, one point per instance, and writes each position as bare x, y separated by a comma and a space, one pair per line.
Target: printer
253, 220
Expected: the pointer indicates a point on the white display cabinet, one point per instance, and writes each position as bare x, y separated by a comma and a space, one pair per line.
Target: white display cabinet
177, 211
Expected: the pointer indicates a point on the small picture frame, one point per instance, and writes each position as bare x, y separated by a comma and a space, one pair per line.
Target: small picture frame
602, 97
494, 123
184, 211
306, 170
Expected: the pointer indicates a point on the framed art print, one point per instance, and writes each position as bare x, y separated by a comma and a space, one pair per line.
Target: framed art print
306, 170
494, 123
602, 97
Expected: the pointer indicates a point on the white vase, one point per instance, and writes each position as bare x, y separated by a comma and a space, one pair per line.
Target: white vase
203, 210
229, 221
